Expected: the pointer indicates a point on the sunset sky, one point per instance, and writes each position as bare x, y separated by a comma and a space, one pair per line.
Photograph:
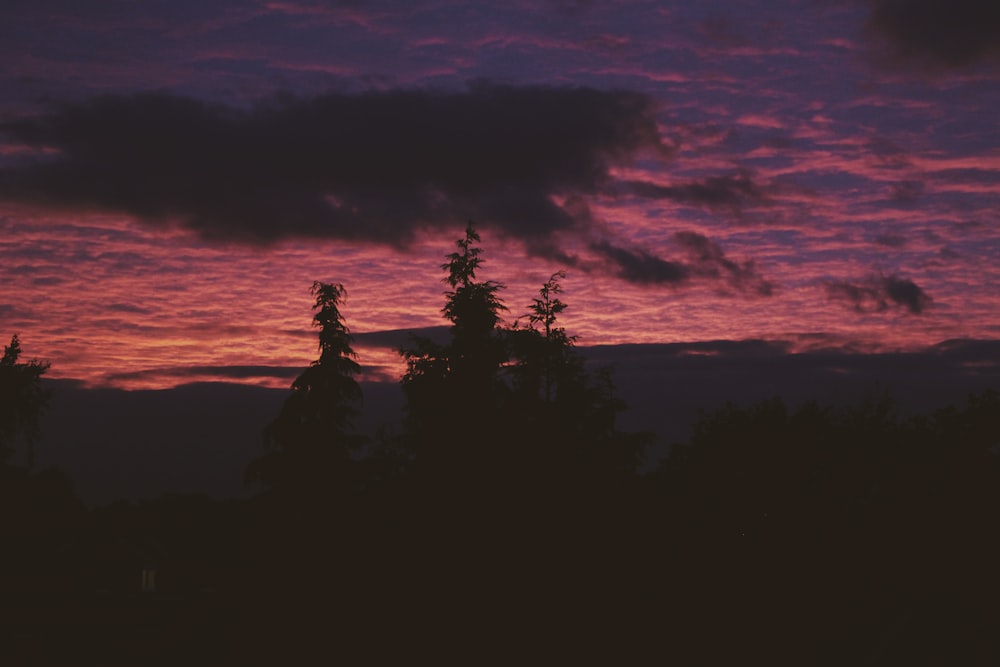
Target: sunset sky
175, 175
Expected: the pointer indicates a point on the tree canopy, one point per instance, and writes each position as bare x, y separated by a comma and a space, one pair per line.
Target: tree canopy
22, 399
515, 401
453, 390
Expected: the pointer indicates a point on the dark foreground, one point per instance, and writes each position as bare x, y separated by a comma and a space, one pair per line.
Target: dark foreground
812, 537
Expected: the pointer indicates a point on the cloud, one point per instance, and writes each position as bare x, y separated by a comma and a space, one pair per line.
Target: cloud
707, 259
948, 253
891, 240
638, 266
395, 339
377, 167
373, 166
906, 192
704, 259
731, 193
906, 293
223, 372
722, 32
937, 33
48, 281
877, 292
886, 154
127, 308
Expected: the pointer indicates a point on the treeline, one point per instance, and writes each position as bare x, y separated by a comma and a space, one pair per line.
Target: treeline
495, 406
507, 522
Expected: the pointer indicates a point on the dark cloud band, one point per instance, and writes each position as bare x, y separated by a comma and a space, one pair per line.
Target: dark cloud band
374, 167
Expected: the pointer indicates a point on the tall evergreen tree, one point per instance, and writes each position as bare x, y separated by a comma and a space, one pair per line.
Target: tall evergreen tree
452, 390
309, 444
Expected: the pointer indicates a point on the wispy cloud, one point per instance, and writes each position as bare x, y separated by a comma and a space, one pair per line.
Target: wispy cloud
639, 266
201, 372
707, 259
731, 193
703, 259
878, 292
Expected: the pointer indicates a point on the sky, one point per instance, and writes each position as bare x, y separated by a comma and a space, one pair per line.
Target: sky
175, 175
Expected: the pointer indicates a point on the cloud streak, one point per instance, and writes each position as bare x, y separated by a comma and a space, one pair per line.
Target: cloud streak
707, 259
877, 293
640, 267
730, 193
703, 258
198, 372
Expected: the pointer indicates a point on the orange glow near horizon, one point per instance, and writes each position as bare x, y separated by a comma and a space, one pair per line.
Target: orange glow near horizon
111, 303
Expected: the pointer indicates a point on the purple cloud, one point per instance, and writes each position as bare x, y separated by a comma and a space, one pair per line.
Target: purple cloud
877, 292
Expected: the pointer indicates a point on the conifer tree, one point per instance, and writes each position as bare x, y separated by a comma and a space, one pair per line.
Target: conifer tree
453, 390
311, 440
567, 415
543, 352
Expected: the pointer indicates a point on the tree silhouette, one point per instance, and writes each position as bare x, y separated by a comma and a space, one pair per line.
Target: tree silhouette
474, 308
22, 400
41, 516
310, 443
543, 351
452, 390
568, 413
511, 402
